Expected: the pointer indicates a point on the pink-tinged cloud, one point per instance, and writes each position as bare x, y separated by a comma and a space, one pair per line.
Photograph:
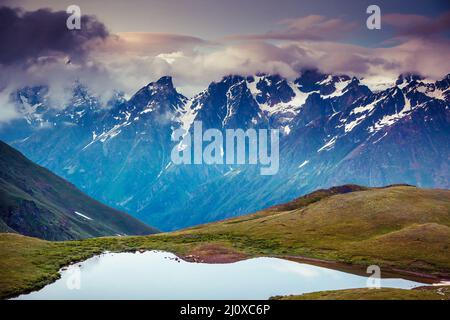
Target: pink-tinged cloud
151, 42
417, 25
312, 27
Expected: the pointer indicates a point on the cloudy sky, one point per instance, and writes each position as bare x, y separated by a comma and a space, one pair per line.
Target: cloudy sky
126, 44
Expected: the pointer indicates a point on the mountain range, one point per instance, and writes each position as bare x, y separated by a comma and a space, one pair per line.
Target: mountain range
335, 129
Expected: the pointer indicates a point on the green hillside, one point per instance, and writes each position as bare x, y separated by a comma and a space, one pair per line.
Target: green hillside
37, 203
402, 226
421, 293
349, 227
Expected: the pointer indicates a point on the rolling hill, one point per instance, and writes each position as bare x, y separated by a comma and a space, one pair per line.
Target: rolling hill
401, 226
37, 203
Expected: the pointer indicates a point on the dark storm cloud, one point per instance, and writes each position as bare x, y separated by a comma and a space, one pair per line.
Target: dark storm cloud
37, 36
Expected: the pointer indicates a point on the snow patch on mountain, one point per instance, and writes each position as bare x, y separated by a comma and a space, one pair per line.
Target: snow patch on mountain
389, 120
366, 108
304, 163
300, 97
187, 115
339, 88
351, 125
329, 145
432, 92
289, 109
252, 85
82, 215
381, 138
377, 84
109, 134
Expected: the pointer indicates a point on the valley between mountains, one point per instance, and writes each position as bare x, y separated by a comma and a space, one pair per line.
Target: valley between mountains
37, 203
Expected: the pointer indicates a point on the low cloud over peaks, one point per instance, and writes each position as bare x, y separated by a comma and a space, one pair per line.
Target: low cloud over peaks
36, 48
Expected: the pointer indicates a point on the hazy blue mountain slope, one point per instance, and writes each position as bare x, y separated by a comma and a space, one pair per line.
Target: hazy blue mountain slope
35, 202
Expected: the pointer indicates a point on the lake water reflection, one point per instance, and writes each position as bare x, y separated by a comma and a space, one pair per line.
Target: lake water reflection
160, 275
